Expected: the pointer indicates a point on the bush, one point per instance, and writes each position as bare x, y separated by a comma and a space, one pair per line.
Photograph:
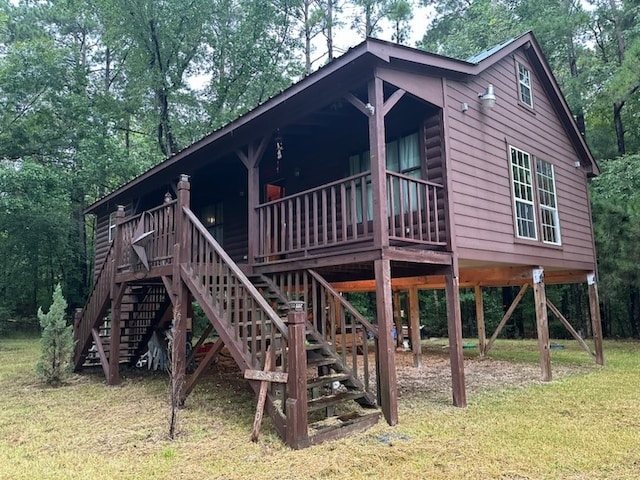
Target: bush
56, 342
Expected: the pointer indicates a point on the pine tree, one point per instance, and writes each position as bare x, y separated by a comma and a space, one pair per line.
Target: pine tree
56, 342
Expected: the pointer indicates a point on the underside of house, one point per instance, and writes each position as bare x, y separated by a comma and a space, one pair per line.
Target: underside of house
380, 172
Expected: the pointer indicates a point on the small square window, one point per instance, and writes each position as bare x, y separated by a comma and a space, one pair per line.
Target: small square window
524, 85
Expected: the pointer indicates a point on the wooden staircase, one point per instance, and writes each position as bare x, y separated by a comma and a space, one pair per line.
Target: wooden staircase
143, 307
332, 387
323, 347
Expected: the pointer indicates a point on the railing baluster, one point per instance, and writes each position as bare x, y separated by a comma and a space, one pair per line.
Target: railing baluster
325, 216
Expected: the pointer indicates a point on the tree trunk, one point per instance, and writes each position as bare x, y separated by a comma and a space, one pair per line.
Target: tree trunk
634, 310
617, 121
307, 37
329, 29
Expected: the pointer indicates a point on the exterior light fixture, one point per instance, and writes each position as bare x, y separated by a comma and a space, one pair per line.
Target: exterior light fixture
488, 98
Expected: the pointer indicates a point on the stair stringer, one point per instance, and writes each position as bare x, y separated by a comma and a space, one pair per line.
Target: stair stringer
94, 310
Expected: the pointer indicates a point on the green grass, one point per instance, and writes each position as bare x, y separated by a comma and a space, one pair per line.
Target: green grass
585, 426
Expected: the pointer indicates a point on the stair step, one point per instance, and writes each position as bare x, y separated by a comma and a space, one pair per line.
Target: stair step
333, 428
313, 346
320, 361
329, 400
326, 379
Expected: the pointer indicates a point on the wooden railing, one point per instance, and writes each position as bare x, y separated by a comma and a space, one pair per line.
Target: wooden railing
246, 316
335, 321
341, 213
158, 246
95, 308
322, 217
416, 210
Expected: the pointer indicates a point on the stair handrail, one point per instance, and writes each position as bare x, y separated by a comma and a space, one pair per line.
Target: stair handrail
107, 266
373, 329
233, 267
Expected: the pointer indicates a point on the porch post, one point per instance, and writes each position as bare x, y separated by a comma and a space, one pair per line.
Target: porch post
116, 298
596, 322
414, 321
387, 380
253, 199
180, 291
454, 323
377, 151
482, 333
542, 322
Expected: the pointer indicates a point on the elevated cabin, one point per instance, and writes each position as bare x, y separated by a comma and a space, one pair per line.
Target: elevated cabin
388, 169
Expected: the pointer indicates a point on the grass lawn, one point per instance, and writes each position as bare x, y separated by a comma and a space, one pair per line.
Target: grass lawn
582, 426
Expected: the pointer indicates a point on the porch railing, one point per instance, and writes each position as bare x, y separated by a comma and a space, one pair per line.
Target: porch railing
341, 213
325, 216
158, 246
416, 210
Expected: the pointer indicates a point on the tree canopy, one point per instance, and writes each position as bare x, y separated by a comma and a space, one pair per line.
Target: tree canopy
92, 94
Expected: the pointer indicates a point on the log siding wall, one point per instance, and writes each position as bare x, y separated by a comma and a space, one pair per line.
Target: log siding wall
480, 168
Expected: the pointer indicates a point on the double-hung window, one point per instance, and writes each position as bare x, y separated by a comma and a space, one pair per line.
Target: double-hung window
528, 206
548, 205
525, 92
524, 205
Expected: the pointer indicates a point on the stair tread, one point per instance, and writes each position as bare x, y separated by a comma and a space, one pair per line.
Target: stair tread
328, 400
333, 428
326, 379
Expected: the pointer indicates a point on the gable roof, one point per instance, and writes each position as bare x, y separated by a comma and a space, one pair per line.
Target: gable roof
353, 64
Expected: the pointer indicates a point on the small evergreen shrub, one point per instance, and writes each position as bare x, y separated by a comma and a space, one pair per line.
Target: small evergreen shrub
56, 341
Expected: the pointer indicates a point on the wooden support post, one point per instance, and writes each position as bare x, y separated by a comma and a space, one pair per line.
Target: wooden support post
397, 318
253, 199
596, 322
181, 298
204, 364
542, 322
117, 290
101, 355
296, 405
454, 322
387, 379
482, 333
377, 152
262, 396
414, 322
114, 335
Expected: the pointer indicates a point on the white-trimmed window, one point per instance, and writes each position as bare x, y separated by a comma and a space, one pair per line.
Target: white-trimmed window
523, 200
112, 226
527, 206
525, 92
549, 220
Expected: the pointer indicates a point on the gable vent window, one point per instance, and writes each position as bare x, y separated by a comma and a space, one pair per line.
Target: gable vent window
524, 84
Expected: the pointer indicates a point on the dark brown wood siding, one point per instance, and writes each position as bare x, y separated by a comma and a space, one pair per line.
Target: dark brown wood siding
481, 196
102, 238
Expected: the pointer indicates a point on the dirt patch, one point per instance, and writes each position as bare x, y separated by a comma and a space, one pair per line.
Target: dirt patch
432, 380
